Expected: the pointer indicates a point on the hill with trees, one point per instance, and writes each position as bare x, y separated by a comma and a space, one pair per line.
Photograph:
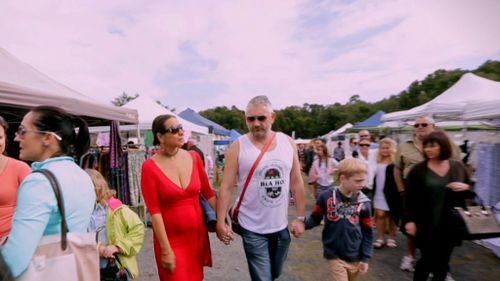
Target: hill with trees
312, 120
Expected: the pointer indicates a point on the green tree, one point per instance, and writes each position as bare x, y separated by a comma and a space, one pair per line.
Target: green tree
232, 118
123, 99
312, 120
173, 109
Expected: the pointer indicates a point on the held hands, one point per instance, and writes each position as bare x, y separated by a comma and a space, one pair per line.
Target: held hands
108, 251
297, 228
168, 261
224, 233
458, 186
411, 228
363, 267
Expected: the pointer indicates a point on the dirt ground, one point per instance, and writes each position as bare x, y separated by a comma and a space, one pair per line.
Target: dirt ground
305, 260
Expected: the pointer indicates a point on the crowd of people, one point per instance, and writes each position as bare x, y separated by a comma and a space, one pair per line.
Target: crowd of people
362, 193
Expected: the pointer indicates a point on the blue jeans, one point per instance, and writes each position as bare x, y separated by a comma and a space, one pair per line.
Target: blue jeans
266, 253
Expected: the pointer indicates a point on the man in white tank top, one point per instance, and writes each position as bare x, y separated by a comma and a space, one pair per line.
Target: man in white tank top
263, 213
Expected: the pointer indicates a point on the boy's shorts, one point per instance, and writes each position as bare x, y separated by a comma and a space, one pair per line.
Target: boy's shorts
341, 270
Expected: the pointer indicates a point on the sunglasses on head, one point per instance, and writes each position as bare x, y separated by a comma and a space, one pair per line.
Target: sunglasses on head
21, 131
174, 129
421, 125
261, 118
364, 144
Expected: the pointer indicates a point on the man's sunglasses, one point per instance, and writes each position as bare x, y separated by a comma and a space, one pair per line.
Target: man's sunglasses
421, 125
21, 131
174, 129
364, 144
261, 118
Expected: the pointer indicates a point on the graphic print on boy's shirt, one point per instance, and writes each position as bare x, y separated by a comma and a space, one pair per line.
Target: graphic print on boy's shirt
343, 210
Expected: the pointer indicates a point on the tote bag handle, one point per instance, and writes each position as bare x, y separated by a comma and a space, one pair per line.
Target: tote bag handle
60, 204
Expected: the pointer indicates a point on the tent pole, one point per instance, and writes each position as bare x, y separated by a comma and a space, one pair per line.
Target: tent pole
139, 142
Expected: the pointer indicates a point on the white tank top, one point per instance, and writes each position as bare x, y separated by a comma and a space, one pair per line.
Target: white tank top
265, 205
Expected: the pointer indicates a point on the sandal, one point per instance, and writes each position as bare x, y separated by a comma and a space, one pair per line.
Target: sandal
391, 243
379, 243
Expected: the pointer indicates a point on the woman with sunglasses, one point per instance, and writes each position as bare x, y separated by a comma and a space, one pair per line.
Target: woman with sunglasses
12, 173
433, 188
50, 138
368, 156
172, 181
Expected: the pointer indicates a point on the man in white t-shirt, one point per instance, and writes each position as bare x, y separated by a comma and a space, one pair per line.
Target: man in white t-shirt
263, 214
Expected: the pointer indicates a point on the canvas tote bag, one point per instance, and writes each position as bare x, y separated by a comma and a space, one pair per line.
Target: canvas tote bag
65, 256
476, 222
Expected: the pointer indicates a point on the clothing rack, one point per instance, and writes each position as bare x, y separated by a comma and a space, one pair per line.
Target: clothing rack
125, 179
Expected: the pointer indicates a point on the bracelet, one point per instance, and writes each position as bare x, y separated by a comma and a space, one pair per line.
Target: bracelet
301, 218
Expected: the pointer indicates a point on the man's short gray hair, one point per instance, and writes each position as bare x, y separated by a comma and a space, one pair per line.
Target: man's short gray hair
428, 117
260, 100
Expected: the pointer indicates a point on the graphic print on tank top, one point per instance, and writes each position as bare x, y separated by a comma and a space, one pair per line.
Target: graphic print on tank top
271, 183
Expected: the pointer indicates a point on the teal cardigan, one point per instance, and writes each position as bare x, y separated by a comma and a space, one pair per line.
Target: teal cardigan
37, 214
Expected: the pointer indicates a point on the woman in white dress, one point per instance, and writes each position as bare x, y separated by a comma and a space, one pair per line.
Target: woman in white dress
386, 199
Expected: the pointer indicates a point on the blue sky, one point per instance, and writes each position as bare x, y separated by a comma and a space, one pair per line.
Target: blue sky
202, 54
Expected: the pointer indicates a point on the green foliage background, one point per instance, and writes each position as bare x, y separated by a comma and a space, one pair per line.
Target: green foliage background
312, 120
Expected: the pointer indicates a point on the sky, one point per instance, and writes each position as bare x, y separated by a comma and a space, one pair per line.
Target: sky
203, 54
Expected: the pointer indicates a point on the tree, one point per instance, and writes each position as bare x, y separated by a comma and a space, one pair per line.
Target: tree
229, 118
173, 109
123, 99
312, 120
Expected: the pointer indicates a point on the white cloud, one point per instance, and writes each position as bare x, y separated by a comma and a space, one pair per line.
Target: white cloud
294, 51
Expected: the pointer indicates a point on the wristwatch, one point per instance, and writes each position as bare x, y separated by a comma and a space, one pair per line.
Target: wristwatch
301, 218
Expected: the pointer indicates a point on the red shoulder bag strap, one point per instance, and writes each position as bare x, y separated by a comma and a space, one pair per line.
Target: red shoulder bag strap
236, 210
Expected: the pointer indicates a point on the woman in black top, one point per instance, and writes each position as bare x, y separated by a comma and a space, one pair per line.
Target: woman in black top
434, 187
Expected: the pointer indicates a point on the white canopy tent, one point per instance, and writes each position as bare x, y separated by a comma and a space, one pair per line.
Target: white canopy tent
22, 87
482, 110
334, 133
148, 110
453, 103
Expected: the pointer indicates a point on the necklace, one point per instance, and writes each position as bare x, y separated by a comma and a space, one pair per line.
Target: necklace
170, 155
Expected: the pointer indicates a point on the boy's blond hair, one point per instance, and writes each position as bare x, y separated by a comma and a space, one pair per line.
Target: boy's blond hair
350, 167
102, 190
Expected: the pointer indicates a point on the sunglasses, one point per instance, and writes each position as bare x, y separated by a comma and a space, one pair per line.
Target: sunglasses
21, 131
355, 142
421, 125
174, 129
364, 144
261, 118
364, 136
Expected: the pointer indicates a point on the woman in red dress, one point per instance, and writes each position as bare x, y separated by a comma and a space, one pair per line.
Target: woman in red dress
171, 183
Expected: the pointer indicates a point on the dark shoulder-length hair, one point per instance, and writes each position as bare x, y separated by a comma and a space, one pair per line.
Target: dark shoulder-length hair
5, 126
440, 138
72, 130
159, 126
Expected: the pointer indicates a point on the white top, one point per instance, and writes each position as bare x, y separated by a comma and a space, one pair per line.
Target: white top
265, 205
323, 171
379, 200
371, 164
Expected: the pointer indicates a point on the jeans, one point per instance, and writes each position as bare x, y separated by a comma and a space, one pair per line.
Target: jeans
266, 253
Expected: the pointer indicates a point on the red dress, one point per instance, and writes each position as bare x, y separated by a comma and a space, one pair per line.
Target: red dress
183, 218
